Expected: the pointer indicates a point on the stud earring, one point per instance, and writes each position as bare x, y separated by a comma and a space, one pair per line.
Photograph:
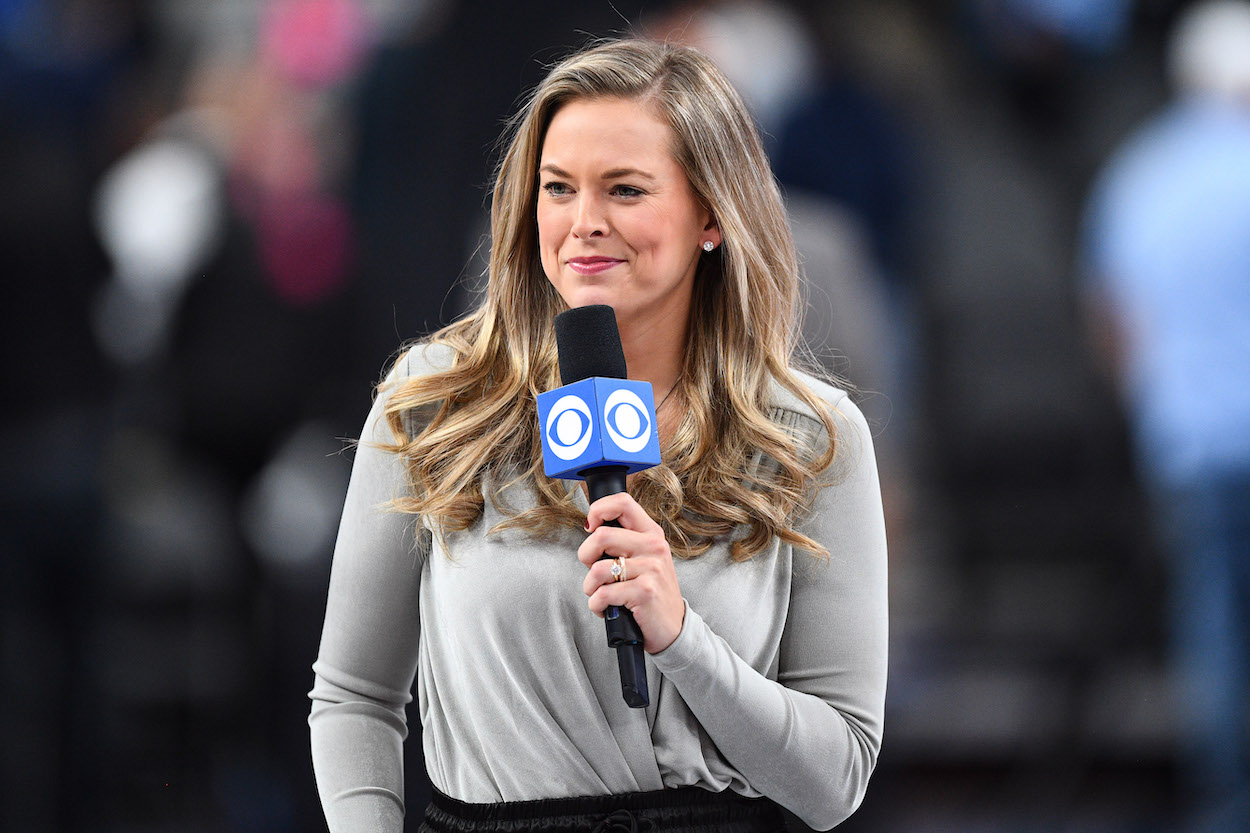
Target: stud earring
708, 245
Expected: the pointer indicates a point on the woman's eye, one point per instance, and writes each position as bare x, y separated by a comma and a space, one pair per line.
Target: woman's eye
627, 191
556, 189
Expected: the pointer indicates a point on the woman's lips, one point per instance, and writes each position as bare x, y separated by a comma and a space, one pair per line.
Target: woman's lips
592, 265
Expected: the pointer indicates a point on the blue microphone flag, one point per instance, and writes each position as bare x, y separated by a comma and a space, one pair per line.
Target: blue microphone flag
598, 422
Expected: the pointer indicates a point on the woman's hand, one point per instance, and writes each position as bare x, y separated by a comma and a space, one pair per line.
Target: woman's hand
649, 590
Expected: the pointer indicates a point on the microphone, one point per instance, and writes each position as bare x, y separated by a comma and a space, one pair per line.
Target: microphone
599, 427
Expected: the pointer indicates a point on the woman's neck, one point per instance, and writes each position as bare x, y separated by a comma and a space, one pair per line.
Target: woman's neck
655, 353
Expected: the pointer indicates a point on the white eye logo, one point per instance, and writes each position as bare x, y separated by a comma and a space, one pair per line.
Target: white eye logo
625, 417
568, 427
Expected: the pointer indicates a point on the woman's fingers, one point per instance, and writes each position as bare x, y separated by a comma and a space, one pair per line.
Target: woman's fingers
615, 540
621, 508
600, 573
650, 589
632, 594
655, 601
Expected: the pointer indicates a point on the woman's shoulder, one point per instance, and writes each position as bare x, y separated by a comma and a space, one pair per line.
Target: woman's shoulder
415, 361
798, 415
785, 399
421, 359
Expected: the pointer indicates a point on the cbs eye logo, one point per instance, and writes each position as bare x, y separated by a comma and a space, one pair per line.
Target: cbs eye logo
569, 424
568, 427
626, 419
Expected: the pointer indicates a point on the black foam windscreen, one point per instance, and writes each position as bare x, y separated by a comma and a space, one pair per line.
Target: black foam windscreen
589, 344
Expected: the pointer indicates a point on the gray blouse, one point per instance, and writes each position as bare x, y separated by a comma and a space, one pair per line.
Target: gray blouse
775, 685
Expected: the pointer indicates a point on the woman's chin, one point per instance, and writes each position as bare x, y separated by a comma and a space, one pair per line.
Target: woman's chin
585, 296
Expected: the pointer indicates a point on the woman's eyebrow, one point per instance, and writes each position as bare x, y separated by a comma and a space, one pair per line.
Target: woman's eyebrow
618, 173
614, 173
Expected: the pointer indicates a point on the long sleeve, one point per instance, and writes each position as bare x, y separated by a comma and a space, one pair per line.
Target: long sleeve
808, 740
369, 646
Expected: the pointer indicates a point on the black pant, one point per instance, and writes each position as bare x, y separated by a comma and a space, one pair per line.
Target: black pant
685, 810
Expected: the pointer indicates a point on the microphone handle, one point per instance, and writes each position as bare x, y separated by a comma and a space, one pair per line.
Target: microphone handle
623, 632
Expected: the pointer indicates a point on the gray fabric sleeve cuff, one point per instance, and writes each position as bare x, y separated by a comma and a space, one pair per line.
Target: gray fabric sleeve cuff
689, 645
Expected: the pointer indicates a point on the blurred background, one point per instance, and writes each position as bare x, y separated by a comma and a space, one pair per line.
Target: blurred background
219, 220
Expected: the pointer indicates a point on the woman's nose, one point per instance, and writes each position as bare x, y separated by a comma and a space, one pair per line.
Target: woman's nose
589, 220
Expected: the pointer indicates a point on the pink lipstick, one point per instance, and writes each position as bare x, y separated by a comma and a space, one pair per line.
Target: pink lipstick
592, 265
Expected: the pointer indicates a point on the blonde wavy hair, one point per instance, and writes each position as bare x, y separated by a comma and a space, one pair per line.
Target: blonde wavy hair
478, 418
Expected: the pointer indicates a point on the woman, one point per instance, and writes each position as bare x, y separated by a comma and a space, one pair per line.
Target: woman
755, 554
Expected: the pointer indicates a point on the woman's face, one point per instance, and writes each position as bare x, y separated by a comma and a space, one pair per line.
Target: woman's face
618, 222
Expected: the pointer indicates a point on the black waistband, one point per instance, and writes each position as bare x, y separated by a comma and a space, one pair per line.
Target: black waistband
685, 809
